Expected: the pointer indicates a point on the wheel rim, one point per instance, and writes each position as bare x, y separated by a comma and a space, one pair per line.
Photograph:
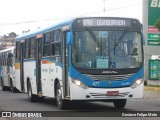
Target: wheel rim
59, 96
11, 86
1, 83
29, 92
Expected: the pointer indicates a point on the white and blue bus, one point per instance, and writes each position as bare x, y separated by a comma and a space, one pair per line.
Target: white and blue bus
7, 69
82, 59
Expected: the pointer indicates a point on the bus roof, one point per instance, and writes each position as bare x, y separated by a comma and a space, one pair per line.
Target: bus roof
7, 49
59, 24
43, 30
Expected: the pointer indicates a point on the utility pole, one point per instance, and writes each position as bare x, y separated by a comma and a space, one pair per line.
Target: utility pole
104, 9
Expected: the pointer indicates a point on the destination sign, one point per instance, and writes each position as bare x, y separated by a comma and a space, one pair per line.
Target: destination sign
106, 22
103, 22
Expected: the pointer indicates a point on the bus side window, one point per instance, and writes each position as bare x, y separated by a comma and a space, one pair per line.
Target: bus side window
4, 58
53, 39
46, 44
17, 50
0, 59
32, 48
56, 42
10, 59
27, 48
24, 50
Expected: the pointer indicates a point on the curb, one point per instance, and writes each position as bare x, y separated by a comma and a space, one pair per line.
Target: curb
155, 89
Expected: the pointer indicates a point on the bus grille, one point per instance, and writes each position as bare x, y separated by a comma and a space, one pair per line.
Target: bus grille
109, 77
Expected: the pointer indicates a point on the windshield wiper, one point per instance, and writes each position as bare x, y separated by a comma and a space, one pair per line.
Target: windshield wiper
119, 40
94, 37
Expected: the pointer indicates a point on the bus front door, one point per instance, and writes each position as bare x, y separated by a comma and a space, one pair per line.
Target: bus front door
38, 66
22, 46
65, 70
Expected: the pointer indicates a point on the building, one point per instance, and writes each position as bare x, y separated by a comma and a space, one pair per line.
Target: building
151, 13
7, 41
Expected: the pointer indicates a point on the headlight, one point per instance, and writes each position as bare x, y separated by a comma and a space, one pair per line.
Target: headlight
79, 83
136, 83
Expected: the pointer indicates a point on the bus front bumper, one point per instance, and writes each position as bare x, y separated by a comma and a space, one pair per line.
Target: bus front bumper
78, 93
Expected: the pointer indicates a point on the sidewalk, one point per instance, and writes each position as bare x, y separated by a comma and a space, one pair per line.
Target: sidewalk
149, 88
152, 95
151, 92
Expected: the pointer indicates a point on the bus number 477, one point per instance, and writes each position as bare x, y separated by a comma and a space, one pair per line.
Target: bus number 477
96, 83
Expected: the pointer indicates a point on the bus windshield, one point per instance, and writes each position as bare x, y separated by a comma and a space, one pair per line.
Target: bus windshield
93, 49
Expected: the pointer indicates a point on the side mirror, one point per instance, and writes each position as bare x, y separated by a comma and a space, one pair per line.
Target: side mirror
143, 38
68, 37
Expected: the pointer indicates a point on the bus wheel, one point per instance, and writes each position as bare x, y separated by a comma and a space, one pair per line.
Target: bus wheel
120, 103
13, 89
31, 96
4, 88
60, 101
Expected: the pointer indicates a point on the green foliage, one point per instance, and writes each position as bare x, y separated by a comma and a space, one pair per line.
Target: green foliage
12, 34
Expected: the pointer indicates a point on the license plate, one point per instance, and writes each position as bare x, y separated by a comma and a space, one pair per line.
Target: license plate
112, 93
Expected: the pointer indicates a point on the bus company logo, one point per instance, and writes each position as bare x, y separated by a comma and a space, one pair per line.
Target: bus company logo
109, 72
21, 114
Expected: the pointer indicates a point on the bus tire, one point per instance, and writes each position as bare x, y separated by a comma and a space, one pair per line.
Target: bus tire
61, 103
13, 89
4, 88
120, 103
32, 97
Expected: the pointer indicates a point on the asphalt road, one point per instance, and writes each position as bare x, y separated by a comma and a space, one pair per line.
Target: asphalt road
19, 102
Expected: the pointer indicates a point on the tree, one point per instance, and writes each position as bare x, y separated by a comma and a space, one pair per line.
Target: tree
12, 34
157, 24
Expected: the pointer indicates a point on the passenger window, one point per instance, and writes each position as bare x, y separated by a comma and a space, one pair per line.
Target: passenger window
0, 59
27, 48
17, 50
56, 42
32, 48
46, 44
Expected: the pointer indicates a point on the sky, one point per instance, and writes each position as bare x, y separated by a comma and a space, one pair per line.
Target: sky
21, 15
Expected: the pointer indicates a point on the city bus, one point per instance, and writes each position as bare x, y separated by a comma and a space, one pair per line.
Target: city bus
7, 69
82, 59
